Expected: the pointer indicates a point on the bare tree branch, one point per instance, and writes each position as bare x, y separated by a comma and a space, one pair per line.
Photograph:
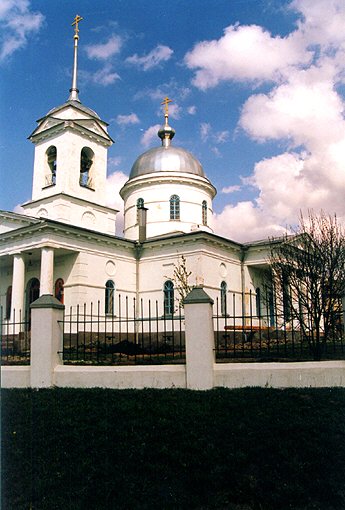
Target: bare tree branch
308, 271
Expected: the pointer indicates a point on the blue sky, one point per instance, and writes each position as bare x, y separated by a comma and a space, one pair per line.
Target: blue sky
257, 85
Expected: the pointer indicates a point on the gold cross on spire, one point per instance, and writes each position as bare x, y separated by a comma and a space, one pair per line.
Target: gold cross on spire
166, 102
77, 19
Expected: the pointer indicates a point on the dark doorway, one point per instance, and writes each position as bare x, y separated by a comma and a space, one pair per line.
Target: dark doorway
32, 293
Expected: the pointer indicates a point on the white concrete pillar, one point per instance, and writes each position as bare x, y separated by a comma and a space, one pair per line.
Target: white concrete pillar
18, 283
46, 340
47, 271
199, 340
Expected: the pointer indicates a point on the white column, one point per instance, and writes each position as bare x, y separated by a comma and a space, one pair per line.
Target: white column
18, 282
47, 271
199, 340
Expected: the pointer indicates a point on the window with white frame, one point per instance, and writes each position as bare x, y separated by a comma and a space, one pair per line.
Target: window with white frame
109, 297
168, 297
174, 207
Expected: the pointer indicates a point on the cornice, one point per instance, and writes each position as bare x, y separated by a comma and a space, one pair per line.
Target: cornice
69, 231
194, 237
167, 178
70, 198
17, 218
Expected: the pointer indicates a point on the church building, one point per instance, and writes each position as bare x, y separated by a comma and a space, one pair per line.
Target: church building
65, 244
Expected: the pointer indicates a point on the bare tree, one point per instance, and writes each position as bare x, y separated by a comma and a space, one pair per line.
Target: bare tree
180, 278
308, 272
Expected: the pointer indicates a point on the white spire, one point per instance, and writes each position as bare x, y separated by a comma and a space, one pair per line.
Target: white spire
74, 90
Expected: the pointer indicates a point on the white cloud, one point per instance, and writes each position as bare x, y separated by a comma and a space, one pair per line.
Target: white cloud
172, 89
323, 21
216, 152
244, 222
221, 136
298, 110
19, 209
217, 138
245, 53
301, 109
105, 50
231, 189
175, 111
191, 110
104, 76
17, 22
125, 120
205, 129
153, 59
115, 181
114, 162
149, 135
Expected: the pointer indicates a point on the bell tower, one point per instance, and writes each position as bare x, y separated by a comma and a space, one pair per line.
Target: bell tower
70, 165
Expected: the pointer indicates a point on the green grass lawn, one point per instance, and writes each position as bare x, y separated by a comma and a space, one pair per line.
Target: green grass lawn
242, 449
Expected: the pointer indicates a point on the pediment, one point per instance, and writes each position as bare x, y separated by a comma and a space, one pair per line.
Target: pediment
47, 123
94, 126
13, 221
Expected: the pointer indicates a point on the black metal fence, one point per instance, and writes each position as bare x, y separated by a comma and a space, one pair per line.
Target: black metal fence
271, 337
14, 339
137, 334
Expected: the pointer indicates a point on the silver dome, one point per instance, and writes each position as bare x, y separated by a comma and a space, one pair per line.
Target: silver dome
166, 159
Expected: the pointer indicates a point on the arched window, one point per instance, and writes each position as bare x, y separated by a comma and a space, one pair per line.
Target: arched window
168, 297
51, 160
8, 302
223, 298
174, 207
86, 160
109, 297
204, 212
140, 205
59, 290
258, 301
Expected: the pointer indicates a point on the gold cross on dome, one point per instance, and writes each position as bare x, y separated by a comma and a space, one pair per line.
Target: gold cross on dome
166, 102
77, 19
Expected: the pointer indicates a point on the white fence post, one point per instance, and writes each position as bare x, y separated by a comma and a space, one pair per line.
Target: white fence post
199, 340
46, 339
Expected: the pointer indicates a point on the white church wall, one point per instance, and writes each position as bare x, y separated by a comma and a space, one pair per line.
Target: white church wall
74, 211
209, 266
157, 200
91, 271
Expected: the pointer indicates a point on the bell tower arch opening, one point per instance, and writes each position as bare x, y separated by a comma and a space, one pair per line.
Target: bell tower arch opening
50, 177
86, 163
